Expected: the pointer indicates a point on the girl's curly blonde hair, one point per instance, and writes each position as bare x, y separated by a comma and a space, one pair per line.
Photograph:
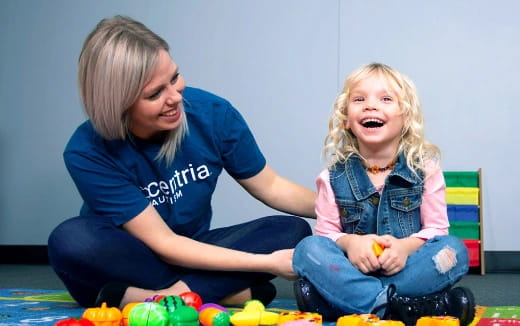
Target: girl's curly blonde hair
341, 143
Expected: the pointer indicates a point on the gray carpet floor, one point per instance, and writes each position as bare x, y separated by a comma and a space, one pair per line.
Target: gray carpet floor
491, 289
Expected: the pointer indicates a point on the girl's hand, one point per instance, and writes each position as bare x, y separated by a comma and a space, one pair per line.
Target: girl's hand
359, 251
394, 257
281, 261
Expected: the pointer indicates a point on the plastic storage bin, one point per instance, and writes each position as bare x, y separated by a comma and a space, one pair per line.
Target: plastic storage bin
462, 196
463, 213
474, 252
464, 206
461, 178
465, 230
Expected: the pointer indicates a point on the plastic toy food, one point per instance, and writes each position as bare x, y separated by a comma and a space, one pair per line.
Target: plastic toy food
300, 322
289, 316
254, 305
171, 302
356, 320
184, 316
378, 250
155, 298
366, 320
126, 311
438, 321
191, 299
387, 323
254, 318
103, 316
254, 314
148, 314
212, 305
213, 316
74, 322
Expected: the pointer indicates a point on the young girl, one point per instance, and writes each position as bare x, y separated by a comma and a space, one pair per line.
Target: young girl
383, 186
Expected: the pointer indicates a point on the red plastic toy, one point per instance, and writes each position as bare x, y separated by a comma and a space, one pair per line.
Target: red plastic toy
192, 299
74, 322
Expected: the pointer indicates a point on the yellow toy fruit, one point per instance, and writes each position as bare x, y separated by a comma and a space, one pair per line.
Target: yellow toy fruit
254, 314
254, 305
254, 318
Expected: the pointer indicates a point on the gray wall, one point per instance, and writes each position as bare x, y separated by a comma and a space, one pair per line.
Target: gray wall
281, 63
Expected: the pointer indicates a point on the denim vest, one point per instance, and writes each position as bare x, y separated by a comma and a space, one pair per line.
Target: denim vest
362, 210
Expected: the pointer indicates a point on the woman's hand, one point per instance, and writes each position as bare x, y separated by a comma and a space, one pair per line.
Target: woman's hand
282, 263
150, 228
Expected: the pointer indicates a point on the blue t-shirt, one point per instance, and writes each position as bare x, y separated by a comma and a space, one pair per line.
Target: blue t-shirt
118, 179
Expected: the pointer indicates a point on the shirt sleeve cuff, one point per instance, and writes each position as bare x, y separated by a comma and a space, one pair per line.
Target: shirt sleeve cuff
427, 234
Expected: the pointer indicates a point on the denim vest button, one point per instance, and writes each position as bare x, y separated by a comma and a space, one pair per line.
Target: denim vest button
406, 202
385, 220
374, 201
343, 212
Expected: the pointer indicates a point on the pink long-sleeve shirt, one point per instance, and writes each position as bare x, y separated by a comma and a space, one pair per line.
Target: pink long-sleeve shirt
434, 215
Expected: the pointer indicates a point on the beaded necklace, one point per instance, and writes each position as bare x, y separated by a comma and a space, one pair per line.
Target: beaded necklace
376, 169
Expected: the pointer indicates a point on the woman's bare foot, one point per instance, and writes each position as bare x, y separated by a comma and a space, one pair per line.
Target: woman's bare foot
134, 294
237, 299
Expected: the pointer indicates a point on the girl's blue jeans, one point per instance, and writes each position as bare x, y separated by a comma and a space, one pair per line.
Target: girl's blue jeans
430, 269
88, 252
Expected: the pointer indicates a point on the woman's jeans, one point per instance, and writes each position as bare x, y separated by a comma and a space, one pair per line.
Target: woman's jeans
430, 269
88, 252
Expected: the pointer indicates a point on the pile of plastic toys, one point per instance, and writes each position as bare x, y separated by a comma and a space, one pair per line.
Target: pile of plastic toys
187, 309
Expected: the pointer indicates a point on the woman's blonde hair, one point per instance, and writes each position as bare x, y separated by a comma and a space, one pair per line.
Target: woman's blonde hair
116, 62
341, 143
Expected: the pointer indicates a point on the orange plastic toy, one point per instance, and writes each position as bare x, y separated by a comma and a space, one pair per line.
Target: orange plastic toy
366, 320
287, 316
213, 316
378, 250
103, 316
438, 321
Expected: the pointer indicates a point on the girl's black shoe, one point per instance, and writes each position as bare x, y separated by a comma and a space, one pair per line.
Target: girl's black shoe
308, 299
457, 302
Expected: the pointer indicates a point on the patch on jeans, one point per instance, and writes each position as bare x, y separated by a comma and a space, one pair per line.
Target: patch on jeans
445, 259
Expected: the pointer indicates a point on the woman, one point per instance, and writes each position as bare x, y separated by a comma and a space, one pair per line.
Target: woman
146, 164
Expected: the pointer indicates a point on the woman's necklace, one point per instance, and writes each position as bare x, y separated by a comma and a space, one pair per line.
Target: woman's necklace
376, 169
